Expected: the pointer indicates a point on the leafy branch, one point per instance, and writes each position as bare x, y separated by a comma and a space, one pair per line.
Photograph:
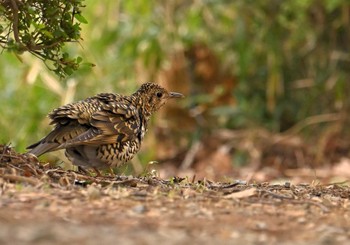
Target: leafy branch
42, 29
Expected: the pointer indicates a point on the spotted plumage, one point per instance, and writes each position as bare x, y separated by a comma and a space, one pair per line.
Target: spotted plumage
105, 130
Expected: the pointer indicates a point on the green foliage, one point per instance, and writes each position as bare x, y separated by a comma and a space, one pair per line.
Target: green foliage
42, 29
23, 105
292, 57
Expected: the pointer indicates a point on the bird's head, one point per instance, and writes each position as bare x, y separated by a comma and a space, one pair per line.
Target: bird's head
152, 97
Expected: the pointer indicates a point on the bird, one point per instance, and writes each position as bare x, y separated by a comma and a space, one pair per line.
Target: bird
103, 131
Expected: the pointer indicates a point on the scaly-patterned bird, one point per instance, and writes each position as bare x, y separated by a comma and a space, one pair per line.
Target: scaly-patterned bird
105, 130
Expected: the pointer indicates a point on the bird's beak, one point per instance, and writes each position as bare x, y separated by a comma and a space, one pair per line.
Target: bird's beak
176, 95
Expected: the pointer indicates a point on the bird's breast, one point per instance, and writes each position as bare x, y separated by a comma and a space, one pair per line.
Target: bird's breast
118, 153
142, 128
142, 132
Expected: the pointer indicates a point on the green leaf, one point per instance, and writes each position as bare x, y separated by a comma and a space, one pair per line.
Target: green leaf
80, 18
47, 33
79, 59
68, 70
88, 64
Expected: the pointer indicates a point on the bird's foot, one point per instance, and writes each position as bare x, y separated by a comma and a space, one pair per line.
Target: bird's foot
83, 171
98, 172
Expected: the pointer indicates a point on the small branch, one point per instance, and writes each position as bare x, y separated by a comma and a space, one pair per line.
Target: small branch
17, 178
331, 117
15, 20
190, 155
275, 195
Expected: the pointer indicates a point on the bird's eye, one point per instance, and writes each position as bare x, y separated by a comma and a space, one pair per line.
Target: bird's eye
159, 94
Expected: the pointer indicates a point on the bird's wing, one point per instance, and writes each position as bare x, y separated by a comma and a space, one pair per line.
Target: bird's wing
117, 122
80, 112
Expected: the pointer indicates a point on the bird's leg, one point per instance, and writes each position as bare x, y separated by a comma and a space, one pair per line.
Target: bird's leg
83, 170
111, 171
98, 173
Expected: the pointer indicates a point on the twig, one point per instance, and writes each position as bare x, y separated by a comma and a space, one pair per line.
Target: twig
10, 156
20, 179
275, 195
15, 20
4, 149
312, 120
187, 162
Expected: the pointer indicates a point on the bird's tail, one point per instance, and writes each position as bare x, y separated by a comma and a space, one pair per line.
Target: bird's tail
42, 147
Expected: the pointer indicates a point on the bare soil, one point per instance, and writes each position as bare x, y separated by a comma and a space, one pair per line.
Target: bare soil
44, 205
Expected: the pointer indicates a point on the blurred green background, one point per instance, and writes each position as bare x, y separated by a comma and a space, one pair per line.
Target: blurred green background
243, 64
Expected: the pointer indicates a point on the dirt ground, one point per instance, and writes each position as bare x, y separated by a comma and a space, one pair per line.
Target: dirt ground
44, 205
